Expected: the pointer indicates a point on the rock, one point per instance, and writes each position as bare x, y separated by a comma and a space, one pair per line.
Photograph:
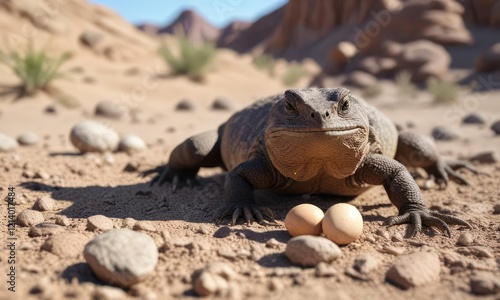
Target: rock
475, 118
496, 209
489, 157
131, 167
43, 229
214, 279
41, 175
489, 61
325, 270
465, 239
309, 251
484, 284
185, 105
397, 237
91, 136
50, 109
144, 226
392, 250
111, 110
108, 158
273, 243
415, 269
340, 54
424, 60
128, 222
28, 138
109, 293
7, 144
441, 133
29, 217
383, 233
122, 257
99, 222
496, 127
65, 245
360, 79
377, 66
477, 251
62, 220
91, 38
131, 143
365, 263
44, 204
222, 103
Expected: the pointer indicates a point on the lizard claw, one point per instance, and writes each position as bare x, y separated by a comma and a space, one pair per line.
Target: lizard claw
249, 211
176, 177
445, 170
429, 218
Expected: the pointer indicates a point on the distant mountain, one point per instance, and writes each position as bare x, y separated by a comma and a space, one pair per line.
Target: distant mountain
194, 26
231, 32
149, 28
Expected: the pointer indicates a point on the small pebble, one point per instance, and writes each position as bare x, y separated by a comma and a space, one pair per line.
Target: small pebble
65, 245
488, 157
214, 279
185, 105
484, 284
496, 127
365, 263
383, 233
29, 217
44, 204
222, 103
41, 175
131, 143
128, 222
43, 229
144, 226
99, 222
108, 158
62, 220
104, 292
441, 133
92, 136
397, 237
465, 239
496, 209
273, 243
325, 270
28, 139
122, 257
309, 251
110, 109
475, 118
7, 144
413, 270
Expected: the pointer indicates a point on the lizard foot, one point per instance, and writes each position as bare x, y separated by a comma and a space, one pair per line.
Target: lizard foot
445, 170
246, 210
428, 218
168, 174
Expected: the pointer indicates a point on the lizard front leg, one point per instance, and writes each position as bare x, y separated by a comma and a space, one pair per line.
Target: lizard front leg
404, 193
239, 187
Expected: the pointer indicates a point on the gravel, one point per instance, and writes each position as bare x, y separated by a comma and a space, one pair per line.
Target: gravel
185, 105
465, 239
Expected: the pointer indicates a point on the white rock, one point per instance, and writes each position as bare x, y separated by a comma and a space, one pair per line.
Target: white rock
28, 138
7, 144
309, 251
131, 143
122, 257
91, 136
29, 217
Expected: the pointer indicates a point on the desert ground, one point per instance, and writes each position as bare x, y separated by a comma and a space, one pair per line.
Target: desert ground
81, 185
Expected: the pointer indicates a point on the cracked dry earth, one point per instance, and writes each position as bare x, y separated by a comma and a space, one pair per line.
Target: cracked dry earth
181, 224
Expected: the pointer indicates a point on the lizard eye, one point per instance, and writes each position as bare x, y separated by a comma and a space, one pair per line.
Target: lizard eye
290, 108
345, 106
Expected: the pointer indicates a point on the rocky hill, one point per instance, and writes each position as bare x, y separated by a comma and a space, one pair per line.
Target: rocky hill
193, 26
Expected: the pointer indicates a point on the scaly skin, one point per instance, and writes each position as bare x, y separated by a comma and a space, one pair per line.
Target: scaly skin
323, 141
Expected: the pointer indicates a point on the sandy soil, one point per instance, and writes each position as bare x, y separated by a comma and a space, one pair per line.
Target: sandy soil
85, 185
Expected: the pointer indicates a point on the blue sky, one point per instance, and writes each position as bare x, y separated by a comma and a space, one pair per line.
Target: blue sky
217, 12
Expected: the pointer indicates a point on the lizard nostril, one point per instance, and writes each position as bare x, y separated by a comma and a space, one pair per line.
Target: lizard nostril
312, 115
327, 113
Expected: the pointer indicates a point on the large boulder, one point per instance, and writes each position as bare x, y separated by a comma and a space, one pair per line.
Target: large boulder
423, 60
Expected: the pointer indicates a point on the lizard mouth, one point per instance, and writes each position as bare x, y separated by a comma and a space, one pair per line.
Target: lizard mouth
337, 131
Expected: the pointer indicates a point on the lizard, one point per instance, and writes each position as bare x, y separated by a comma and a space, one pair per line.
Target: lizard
314, 141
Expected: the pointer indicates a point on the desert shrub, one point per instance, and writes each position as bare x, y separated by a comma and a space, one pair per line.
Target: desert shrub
405, 86
35, 68
293, 74
442, 91
265, 62
193, 60
372, 91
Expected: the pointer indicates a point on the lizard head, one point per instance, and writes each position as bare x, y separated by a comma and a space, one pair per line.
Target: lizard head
315, 131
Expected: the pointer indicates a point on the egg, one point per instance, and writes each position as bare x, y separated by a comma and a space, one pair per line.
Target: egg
342, 224
304, 219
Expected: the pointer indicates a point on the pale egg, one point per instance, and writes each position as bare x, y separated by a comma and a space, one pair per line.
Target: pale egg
304, 219
342, 224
